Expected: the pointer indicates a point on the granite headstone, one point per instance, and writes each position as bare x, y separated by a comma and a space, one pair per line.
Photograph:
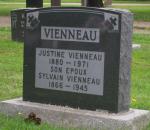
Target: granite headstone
18, 24
79, 57
19, 21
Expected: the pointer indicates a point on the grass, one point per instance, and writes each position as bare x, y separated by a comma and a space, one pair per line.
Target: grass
131, 2
18, 123
10, 66
6, 8
141, 72
148, 127
141, 38
141, 13
140, 78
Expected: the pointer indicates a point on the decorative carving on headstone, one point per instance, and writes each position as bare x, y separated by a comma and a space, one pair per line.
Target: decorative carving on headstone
32, 20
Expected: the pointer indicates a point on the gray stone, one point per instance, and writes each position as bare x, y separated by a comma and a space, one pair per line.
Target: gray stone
18, 22
69, 117
125, 60
114, 41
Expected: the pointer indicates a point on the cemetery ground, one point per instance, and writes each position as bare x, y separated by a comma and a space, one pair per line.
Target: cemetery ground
11, 70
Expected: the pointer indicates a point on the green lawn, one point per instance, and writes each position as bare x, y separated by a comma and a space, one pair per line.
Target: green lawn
141, 73
141, 78
11, 67
6, 8
141, 13
141, 38
131, 1
18, 123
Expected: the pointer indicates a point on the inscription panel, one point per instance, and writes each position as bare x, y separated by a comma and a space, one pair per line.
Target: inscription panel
70, 70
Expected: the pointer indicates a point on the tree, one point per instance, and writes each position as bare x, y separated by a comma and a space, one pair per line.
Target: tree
34, 3
95, 3
55, 2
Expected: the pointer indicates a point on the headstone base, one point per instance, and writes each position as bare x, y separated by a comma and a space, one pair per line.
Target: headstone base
69, 117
